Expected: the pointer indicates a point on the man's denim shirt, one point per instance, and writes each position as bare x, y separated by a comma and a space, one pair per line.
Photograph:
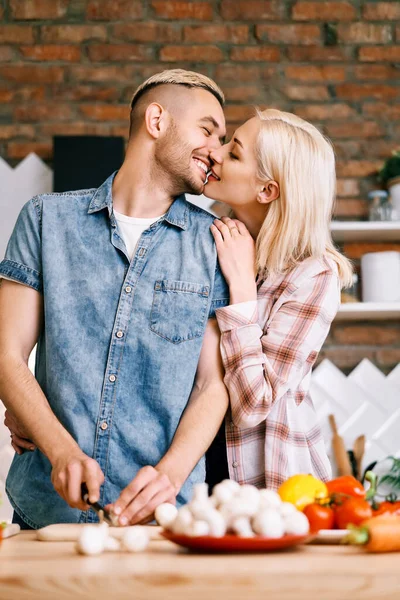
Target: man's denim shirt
118, 355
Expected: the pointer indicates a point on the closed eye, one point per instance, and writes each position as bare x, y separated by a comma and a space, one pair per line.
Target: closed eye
207, 130
233, 156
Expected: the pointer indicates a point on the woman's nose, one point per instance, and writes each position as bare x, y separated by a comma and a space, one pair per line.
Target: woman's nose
216, 156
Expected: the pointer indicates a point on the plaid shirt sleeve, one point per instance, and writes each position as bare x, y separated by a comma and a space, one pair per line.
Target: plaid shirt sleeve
262, 365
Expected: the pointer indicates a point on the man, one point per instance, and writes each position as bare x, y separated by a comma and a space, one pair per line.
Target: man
117, 286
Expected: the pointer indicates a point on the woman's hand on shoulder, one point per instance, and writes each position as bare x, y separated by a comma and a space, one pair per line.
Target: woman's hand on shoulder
236, 255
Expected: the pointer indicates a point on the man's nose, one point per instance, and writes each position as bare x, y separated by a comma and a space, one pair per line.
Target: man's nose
216, 156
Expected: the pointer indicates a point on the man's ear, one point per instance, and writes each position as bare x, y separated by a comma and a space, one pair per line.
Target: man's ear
268, 192
155, 118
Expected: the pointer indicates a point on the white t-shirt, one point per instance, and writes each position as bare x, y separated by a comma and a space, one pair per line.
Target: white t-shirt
131, 228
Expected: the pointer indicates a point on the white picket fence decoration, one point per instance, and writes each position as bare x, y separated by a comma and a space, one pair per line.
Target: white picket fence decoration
29, 178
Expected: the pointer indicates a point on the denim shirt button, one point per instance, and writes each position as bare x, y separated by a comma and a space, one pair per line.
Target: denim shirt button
128, 289
235, 464
119, 334
104, 425
112, 378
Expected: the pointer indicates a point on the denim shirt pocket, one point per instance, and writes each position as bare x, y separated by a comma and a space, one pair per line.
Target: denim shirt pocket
179, 310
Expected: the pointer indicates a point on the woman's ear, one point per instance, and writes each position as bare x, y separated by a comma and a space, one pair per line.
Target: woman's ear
269, 191
154, 118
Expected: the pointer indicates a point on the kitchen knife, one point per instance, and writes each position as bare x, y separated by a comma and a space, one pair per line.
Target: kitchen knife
104, 514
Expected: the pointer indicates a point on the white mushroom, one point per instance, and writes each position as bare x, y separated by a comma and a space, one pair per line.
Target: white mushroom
286, 509
183, 521
216, 523
224, 492
241, 526
165, 514
135, 539
200, 509
269, 523
112, 544
198, 528
200, 492
92, 539
269, 499
296, 523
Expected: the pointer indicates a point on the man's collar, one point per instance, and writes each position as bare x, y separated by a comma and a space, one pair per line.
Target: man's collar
177, 214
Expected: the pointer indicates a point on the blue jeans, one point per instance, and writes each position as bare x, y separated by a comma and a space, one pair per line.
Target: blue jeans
17, 519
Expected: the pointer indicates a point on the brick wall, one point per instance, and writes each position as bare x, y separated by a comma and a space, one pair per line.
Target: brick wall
70, 66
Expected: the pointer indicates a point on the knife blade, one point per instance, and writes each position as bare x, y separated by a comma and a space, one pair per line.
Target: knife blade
104, 514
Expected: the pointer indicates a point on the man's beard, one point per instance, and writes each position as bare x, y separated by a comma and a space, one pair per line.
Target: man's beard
173, 159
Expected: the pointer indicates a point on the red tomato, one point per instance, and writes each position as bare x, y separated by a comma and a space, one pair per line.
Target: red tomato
387, 507
353, 511
319, 517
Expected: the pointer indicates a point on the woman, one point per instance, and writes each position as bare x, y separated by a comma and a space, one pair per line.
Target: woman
278, 176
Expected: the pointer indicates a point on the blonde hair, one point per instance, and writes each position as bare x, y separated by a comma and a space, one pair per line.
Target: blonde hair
188, 79
301, 160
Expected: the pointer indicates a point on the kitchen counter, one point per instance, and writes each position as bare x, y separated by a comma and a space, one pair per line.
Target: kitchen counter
33, 570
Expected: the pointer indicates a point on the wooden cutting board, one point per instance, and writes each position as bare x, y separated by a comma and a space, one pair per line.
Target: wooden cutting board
69, 532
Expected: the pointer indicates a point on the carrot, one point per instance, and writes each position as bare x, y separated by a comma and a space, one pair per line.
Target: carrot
378, 534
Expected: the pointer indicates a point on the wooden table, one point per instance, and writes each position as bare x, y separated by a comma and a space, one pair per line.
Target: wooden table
33, 570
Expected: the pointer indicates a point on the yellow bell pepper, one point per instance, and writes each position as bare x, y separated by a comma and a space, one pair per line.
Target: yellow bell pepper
302, 490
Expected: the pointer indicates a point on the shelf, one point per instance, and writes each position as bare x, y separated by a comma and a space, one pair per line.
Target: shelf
368, 311
365, 231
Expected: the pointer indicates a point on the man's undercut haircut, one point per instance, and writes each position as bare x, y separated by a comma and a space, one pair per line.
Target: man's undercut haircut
187, 79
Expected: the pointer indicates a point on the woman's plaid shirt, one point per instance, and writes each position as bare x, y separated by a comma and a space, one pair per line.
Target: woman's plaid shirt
268, 348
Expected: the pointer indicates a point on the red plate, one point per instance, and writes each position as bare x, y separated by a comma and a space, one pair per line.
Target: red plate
235, 543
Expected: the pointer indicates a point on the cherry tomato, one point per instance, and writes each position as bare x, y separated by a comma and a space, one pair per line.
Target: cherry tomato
352, 511
387, 507
319, 517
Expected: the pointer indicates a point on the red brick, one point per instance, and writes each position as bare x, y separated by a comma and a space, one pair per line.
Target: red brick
75, 128
364, 33
108, 10
74, 34
347, 149
199, 11
43, 112
323, 11
351, 208
316, 73
38, 9
238, 34
7, 132
381, 148
51, 53
120, 52
388, 357
306, 35
103, 74
32, 73
252, 10
309, 92
236, 113
242, 93
357, 168
379, 53
208, 54
255, 53
21, 94
356, 250
147, 32
319, 54
372, 335
345, 357
91, 93
324, 112
239, 73
360, 91
6, 54
105, 112
382, 11
16, 34
376, 72
382, 110
22, 149
346, 188
366, 129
